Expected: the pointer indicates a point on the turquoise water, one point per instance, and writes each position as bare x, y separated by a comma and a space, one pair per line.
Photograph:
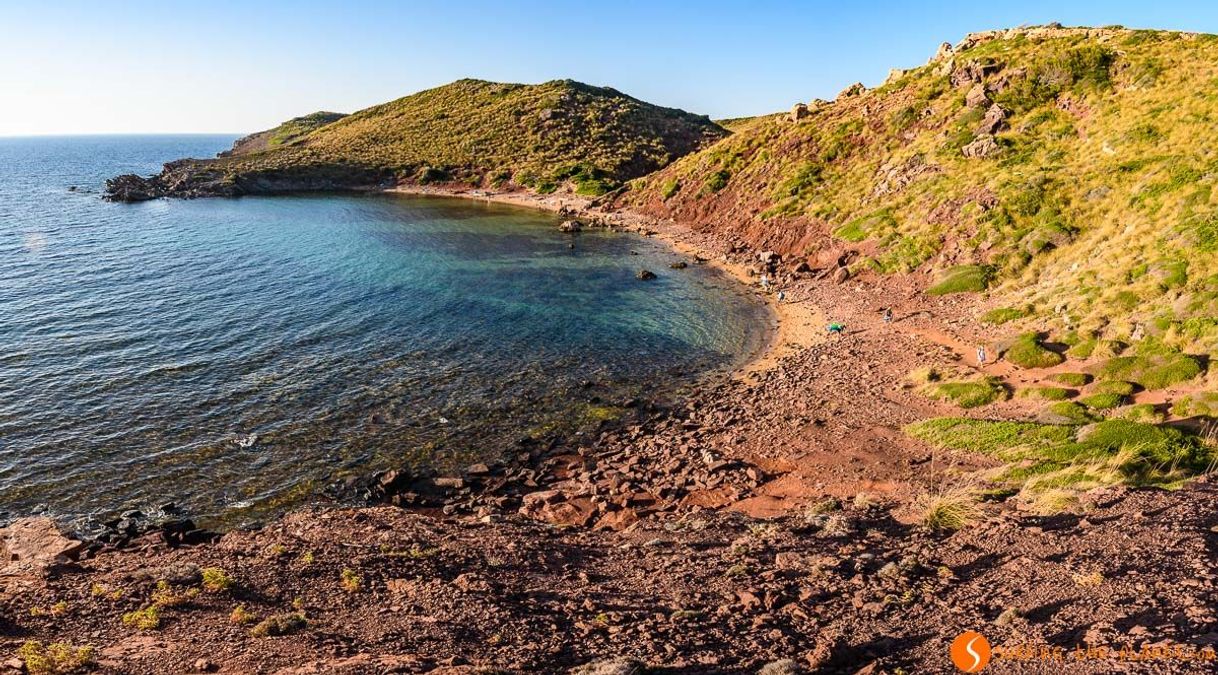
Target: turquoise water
142, 346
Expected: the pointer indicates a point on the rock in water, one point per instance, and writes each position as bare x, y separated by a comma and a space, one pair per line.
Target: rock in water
645, 275
132, 188
570, 226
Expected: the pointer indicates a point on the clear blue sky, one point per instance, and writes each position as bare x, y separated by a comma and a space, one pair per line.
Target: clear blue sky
219, 66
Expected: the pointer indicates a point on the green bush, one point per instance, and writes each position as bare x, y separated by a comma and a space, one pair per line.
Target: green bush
670, 188
1152, 371
1071, 379
1102, 401
963, 279
1028, 352
1142, 412
1001, 315
717, 181
1046, 393
1203, 404
1112, 387
968, 394
1066, 412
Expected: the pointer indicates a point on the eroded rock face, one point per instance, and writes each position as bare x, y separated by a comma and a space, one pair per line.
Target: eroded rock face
983, 146
34, 545
798, 112
132, 188
994, 121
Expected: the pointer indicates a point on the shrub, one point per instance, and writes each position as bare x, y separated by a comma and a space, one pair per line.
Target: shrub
1001, 315
716, 181
1153, 371
1046, 393
148, 618
57, 658
350, 581
963, 279
241, 616
1145, 413
1113, 387
1028, 352
1204, 404
968, 394
1102, 401
949, 511
1066, 412
1071, 379
280, 624
670, 188
216, 580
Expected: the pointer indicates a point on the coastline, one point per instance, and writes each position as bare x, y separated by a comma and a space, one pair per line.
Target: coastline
795, 322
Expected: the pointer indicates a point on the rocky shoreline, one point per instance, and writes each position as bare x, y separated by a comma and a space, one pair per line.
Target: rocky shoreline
763, 523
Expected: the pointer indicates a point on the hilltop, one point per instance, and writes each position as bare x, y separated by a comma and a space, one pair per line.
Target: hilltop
541, 137
1066, 172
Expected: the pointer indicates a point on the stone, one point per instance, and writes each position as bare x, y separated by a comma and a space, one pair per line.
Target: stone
976, 96
645, 275
945, 51
983, 146
841, 275
798, 112
995, 120
34, 545
570, 226
679, 265
894, 74
856, 89
204, 666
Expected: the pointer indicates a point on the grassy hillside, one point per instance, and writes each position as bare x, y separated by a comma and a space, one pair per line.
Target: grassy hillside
284, 134
1068, 171
539, 136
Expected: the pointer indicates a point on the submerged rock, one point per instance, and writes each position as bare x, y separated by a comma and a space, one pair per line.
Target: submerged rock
645, 275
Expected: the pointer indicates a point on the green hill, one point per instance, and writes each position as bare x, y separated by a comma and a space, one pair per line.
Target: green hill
1070, 172
544, 136
285, 134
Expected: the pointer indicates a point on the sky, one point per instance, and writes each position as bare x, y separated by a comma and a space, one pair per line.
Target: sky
236, 67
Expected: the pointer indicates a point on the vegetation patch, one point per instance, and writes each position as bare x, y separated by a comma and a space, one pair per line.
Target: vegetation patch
1105, 401
57, 658
1027, 351
1201, 404
1066, 412
1145, 413
964, 393
1071, 379
1001, 315
1046, 393
280, 624
1157, 369
949, 511
1041, 457
963, 279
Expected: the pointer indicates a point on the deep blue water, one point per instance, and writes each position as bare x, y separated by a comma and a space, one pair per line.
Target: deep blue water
349, 333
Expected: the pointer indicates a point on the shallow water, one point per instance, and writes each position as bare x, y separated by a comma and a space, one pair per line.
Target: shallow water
139, 343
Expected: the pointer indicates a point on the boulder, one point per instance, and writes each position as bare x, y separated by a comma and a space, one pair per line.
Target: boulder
856, 89
798, 112
570, 226
983, 146
841, 275
894, 74
769, 258
994, 121
645, 275
132, 188
976, 96
34, 545
679, 265
945, 51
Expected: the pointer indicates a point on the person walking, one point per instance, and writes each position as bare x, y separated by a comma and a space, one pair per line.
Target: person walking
980, 355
